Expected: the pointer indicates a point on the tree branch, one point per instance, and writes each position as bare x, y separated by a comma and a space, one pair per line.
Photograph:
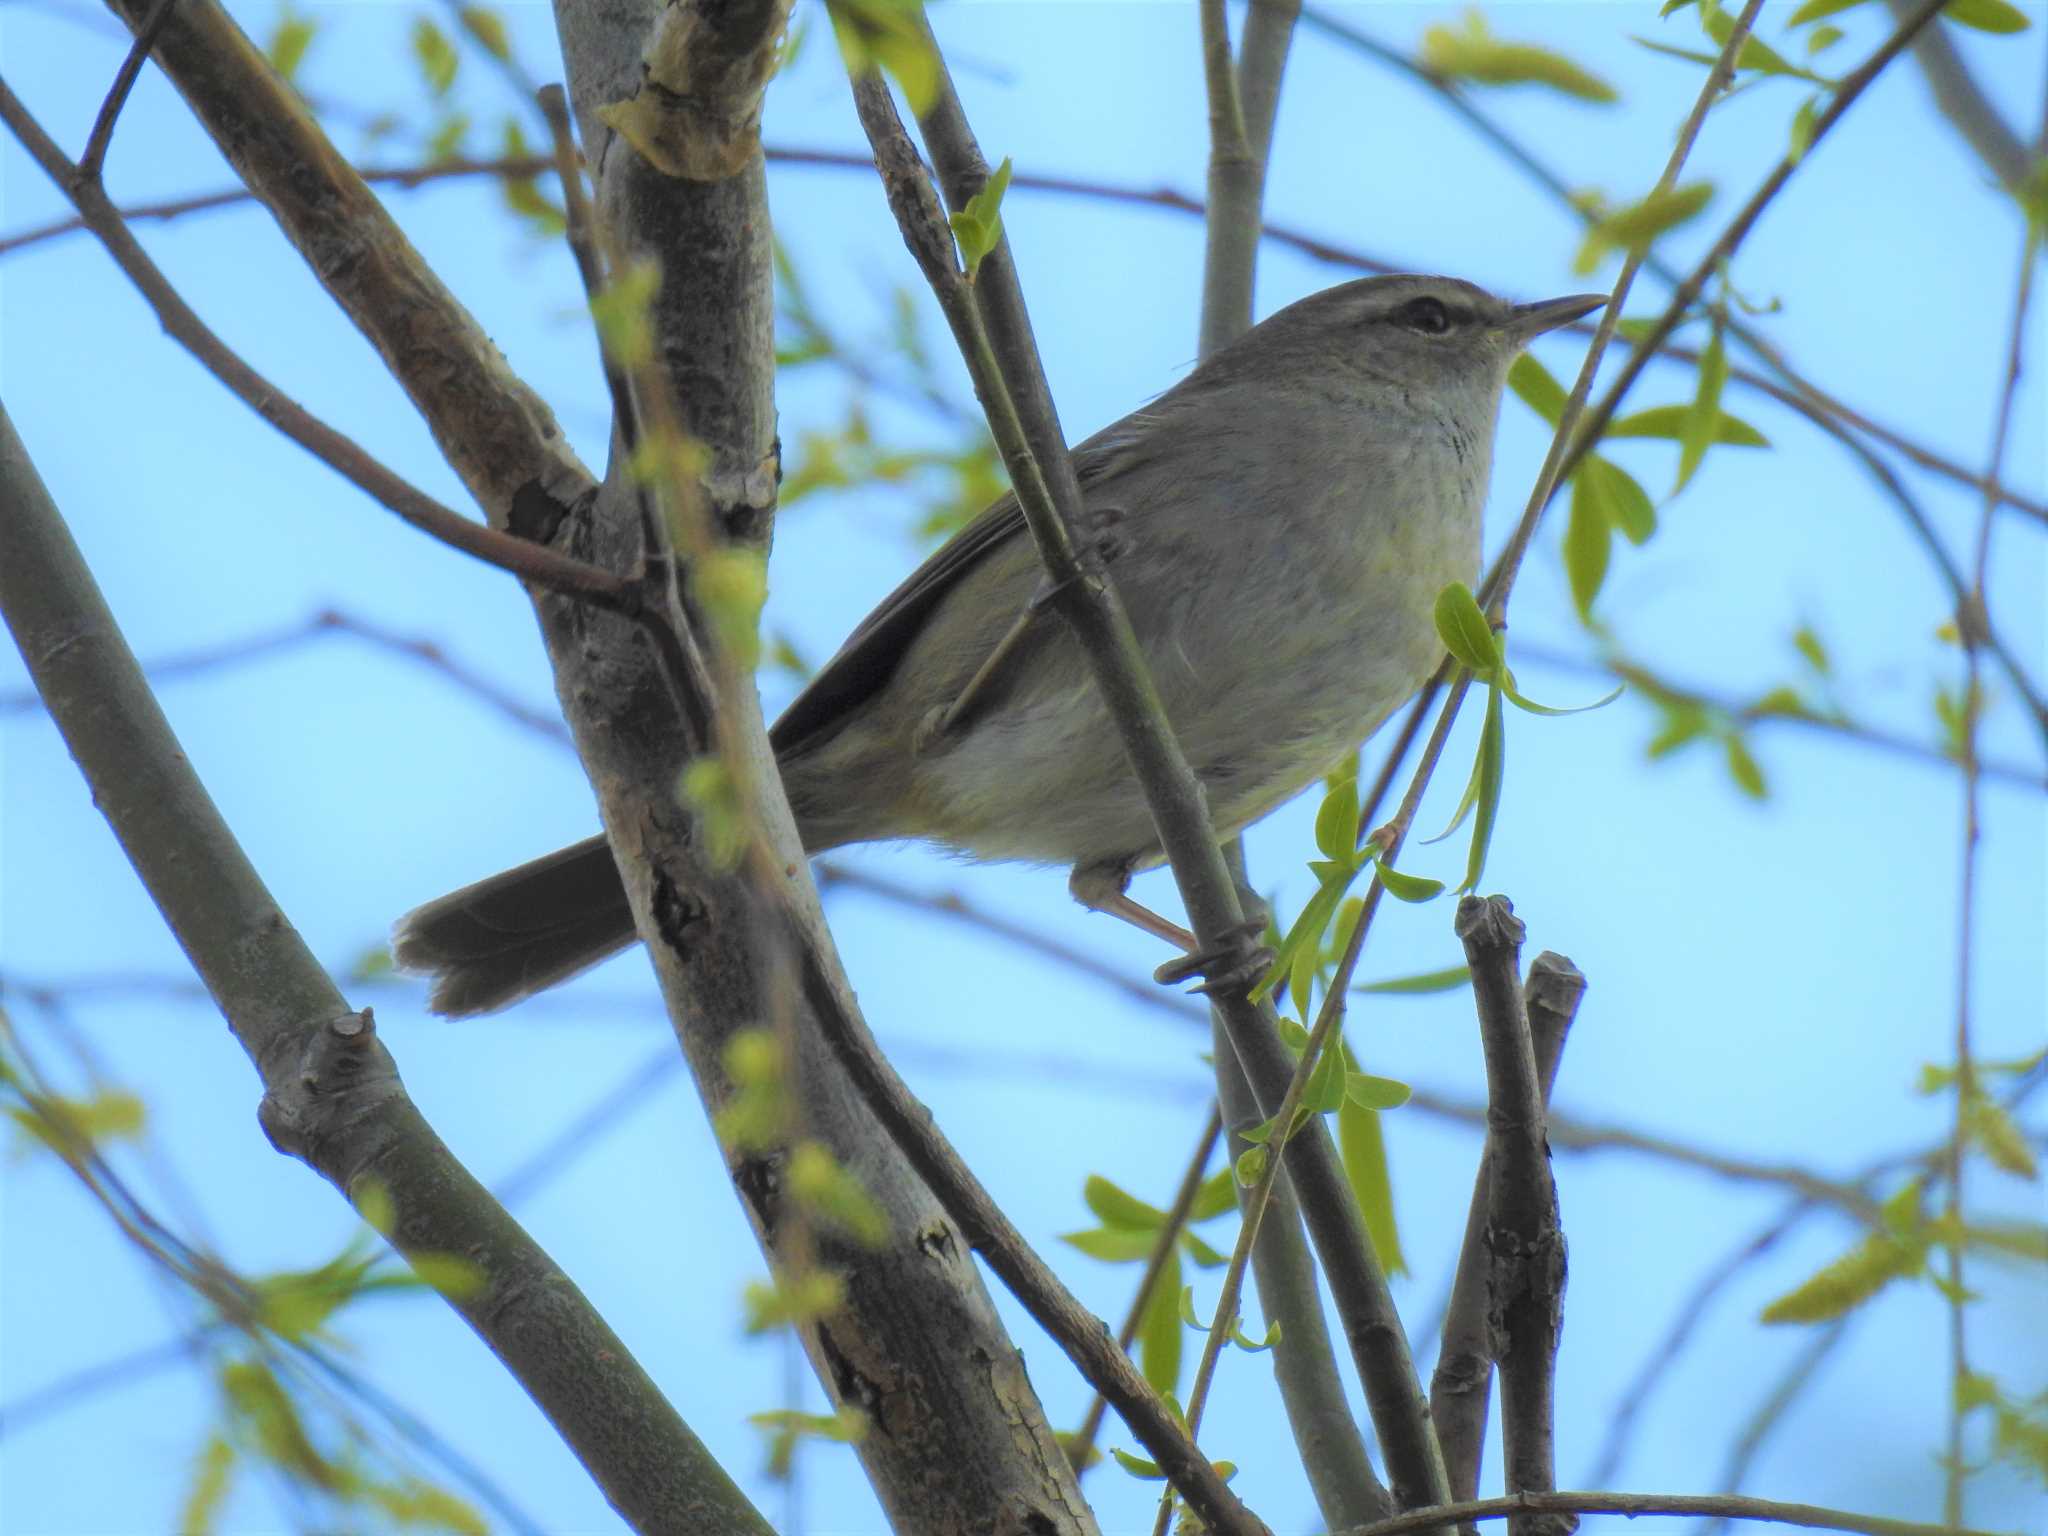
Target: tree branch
1732, 1506
497, 434
1463, 1379
521, 556
332, 1097
1524, 1241
1027, 429
735, 949
1960, 99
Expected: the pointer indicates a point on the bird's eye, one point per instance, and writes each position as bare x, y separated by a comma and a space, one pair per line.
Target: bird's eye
1426, 316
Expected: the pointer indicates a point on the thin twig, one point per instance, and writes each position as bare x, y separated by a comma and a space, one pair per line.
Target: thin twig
580, 230
1735, 1507
1463, 1379
102, 135
1524, 1242
1800, 1373
1973, 626
1799, 393
1048, 492
522, 557
1569, 444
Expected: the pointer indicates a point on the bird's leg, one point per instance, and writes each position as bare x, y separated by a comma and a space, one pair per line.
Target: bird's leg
1105, 887
1238, 961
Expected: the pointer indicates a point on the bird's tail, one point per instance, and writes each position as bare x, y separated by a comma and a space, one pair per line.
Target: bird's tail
490, 944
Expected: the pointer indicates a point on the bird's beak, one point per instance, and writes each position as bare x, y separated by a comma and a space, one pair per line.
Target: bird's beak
1526, 322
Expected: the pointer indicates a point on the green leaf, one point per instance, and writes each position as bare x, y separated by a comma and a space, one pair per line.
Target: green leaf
1116, 1208
1742, 767
1337, 821
286, 50
1804, 121
436, 56
889, 34
1848, 1282
1200, 1251
1464, 630
1813, 10
1820, 39
979, 226
833, 1194
1364, 1149
1446, 980
1251, 1166
1411, 888
1809, 645
1113, 1245
1137, 1466
1588, 541
212, 1476
1159, 1332
1307, 932
1368, 1091
1214, 1197
1668, 421
1703, 421
1490, 773
1986, 1123
445, 142
1634, 227
1324, 1090
488, 28
1626, 503
1755, 53
1534, 385
1530, 706
1472, 53
1986, 15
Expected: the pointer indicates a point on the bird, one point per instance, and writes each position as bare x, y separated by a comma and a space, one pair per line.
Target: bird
1278, 525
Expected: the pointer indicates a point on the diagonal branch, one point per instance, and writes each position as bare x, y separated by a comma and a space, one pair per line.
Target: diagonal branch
332, 1095
497, 434
522, 557
995, 337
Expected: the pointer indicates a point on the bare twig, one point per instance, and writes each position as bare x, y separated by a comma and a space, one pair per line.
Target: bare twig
522, 557
102, 135
1524, 1240
1807, 1516
1963, 102
333, 1098
1973, 625
1748, 712
1573, 438
1463, 1378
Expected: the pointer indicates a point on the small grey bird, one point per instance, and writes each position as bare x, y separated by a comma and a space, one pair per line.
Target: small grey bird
1278, 525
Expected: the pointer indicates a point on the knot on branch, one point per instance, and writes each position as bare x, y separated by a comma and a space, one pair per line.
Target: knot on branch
343, 1074
1489, 922
697, 114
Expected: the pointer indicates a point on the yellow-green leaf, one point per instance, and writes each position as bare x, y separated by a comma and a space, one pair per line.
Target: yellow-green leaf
1703, 421
1159, 1332
435, 54
1464, 630
1588, 541
289, 40
1364, 1149
1848, 1282
1634, 227
1536, 388
1986, 15
1814, 10
1471, 52
1116, 1207
1668, 421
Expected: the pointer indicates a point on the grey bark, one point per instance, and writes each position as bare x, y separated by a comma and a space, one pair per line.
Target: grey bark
332, 1096
959, 1441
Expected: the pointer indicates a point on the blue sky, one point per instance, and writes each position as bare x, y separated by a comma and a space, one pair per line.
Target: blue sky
1766, 977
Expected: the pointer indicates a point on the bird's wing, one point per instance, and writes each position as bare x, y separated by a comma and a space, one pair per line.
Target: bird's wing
871, 654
